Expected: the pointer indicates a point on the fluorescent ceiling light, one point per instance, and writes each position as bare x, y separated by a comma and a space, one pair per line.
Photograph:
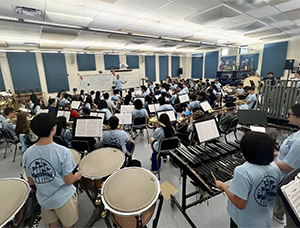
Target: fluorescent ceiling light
108, 31
9, 18
171, 38
13, 50
52, 24
192, 41
68, 52
145, 35
43, 51
209, 43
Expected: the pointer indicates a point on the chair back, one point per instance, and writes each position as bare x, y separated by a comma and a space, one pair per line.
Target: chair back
80, 145
168, 144
7, 136
111, 144
139, 122
25, 142
232, 125
59, 140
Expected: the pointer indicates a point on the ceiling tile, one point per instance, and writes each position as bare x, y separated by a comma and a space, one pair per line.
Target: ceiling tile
287, 6
292, 15
279, 17
263, 12
52, 46
282, 23
267, 20
245, 6
247, 26
263, 33
145, 4
275, 2
277, 37
176, 10
199, 5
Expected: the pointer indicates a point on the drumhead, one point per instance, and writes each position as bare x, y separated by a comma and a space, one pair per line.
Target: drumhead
130, 191
23, 174
101, 163
76, 156
13, 194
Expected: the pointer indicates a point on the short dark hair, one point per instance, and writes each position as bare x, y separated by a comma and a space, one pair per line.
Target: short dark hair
138, 104
193, 97
116, 91
42, 124
296, 109
161, 100
240, 84
270, 73
258, 148
8, 110
251, 88
106, 96
113, 122
102, 104
51, 101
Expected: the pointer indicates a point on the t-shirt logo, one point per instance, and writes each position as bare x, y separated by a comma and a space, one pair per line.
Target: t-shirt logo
42, 171
113, 139
265, 191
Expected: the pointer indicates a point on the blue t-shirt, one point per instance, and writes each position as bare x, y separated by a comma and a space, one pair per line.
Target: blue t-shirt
289, 152
139, 113
257, 184
252, 99
107, 113
48, 165
165, 107
117, 136
158, 135
111, 104
238, 90
193, 104
243, 107
67, 136
118, 84
115, 98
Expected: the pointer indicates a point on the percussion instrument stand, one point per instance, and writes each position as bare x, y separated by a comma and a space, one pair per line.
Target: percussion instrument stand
155, 221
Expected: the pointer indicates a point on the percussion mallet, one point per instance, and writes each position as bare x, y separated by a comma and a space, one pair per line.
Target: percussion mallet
224, 171
213, 175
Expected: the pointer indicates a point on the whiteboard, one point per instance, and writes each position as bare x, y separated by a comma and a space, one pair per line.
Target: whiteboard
104, 82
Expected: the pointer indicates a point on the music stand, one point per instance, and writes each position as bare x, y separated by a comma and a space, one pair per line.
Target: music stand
252, 117
206, 129
66, 114
152, 108
89, 126
183, 98
75, 105
289, 192
170, 113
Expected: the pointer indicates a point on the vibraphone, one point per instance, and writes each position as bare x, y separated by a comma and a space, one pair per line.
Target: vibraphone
199, 163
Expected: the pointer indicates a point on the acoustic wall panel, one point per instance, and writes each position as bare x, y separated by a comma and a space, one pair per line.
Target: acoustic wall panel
132, 61
55, 72
111, 61
2, 86
175, 66
197, 67
150, 68
86, 62
24, 72
211, 64
274, 58
163, 67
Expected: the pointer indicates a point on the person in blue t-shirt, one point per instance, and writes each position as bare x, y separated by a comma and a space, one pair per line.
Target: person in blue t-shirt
118, 83
49, 167
251, 98
251, 195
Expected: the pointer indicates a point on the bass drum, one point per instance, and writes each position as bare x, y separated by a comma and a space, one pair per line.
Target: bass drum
253, 81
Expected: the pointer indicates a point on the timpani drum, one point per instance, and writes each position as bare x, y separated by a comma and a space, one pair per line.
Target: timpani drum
130, 194
98, 165
76, 155
13, 195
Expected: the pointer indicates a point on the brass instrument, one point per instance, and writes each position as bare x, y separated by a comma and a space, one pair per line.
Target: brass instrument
240, 102
154, 123
105, 127
194, 115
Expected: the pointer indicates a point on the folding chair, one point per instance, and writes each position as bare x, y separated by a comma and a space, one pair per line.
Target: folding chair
9, 139
232, 127
25, 144
140, 123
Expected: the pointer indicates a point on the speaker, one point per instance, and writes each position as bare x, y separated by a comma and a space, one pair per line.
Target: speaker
289, 64
180, 71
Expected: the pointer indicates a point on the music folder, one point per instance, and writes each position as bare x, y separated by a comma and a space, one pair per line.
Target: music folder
170, 113
124, 118
42, 111
64, 113
205, 106
88, 127
75, 104
206, 129
98, 114
184, 98
152, 107
127, 108
140, 98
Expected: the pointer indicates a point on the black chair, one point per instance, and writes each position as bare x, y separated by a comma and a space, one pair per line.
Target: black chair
165, 145
81, 145
232, 127
140, 123
59, 140
25, 144
9, 139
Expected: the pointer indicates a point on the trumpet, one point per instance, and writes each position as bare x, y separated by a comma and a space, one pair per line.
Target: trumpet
154, 123
194, 115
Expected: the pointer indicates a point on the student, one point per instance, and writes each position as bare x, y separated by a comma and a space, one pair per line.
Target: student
102, 107
52, 106
22, 127
36, 106
144, 91
118, 135
49, 167
65, 99
82, 96
139, 111
159, 134
110, 104
288, 160
9, 114
115, 97
88, 102
97, 97
73, 113
163, 105
251, 98
240, 89
252, 192
227, 116
194, 103
63, 131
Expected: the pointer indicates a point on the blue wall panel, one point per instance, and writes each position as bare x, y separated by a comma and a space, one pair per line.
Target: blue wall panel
250, 59
132, 61
175, 66
24, 71
111, 61
163, 67
150, 68
2, 86
211, 64
55, 72
274, 58
86, 62
197, 67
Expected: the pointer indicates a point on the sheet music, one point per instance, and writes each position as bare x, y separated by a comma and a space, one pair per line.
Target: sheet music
124, 118
98, 114
93, 113
42, 111
184, 98
205, 106
75, 104
207, 130
258, 129
127, 108
139, 98
88, 128
170, 113
153, 107
292, 194
66, 114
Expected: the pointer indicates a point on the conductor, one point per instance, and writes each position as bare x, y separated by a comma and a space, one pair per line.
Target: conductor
118, 83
